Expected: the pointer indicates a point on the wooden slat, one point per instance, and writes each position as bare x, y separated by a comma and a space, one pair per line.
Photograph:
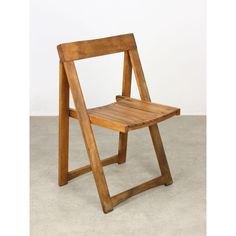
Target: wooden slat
131, 116
138, 189
112, 113
128, 114
128, 118
134, 118
103, 121
96, 47
134, 114
116, 115
147, 106
85, 169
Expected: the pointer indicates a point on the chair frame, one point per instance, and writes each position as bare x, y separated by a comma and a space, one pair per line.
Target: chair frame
69, 81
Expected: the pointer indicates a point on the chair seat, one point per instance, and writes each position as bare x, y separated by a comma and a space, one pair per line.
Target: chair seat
129, 114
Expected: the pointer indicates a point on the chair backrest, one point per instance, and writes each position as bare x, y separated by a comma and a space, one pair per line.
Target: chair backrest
69, 52
97, 47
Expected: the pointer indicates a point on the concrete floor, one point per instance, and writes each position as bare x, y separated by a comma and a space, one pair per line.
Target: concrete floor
74, 209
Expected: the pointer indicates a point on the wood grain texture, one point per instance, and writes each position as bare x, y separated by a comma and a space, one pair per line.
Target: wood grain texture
122, 147
97, 47
139, 75
138, 189
127, 75
85, 169
128, 114
160, 153
88, 137
147, 106
63, 127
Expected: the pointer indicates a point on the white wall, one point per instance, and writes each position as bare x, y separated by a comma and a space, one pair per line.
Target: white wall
170, 35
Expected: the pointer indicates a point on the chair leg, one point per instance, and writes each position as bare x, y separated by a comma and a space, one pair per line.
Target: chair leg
122, 150
160, 153
88, 136
63, 128
100, 180
63, 152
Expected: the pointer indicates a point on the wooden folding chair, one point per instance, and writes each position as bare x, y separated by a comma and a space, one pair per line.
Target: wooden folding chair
124, 115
